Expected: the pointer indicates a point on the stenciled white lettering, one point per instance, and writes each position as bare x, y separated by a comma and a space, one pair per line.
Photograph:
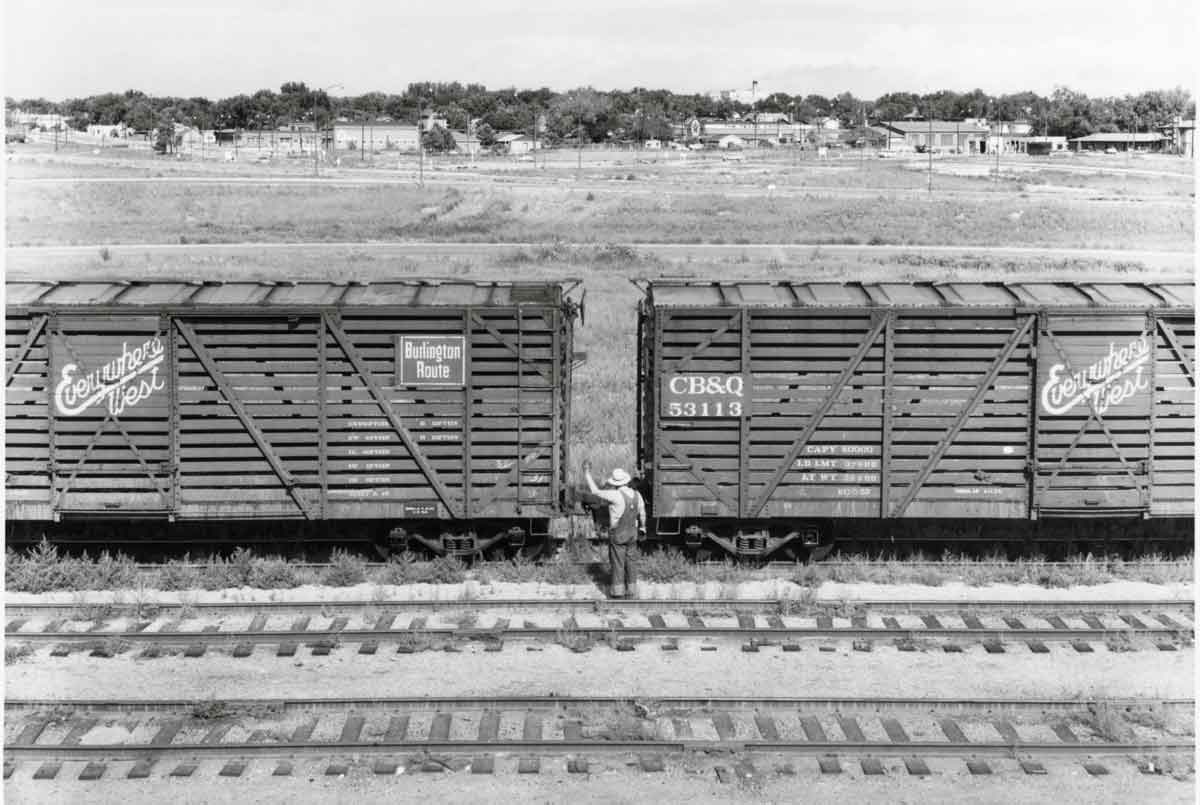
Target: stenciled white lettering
121, 383
1107, 382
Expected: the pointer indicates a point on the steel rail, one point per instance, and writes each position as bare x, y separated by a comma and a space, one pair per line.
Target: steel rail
760, 635
120, 752
773, 605
661, 703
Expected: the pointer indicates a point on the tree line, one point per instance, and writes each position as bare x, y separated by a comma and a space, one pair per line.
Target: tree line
588, 115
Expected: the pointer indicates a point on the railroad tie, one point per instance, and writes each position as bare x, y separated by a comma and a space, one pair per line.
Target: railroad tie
141, 769
368, 647
858, 621
658, 622
695, 622
217, 734
952, 731
15, 625
745, 771
723, 722
824, 622
47, 771
352, 729
258, 623
978, 767
1093, 622
971, 621
1167, 621
489, 726
895, 732
283, 769
931, 622
871, 766
577, 765
483, 764
813, 731
532, 729
439, 730
1013, 623
766, 727
1057, 622
746, 621
31, 731
385, 621
304, 731
890, 622
384, 766
851, 729
683, 729
233, 768
1064, 733
337, 768
166, 733
339, 623
1032, 767
775, 622
9, 768
185, 769
1007, 731
1095, 769
917, 767
829, 765
573, 731
530, 764
1133, 621
243, 650
617, 623
92, 771
651, 762
1037, 647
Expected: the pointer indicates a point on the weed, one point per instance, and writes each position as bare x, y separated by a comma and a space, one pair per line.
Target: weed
591, 196
1108, 722
273, 573
210, 710
15, 652
666, 566
105, 254
178, 574
345, 570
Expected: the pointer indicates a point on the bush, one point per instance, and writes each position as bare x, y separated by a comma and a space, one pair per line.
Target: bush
666, 566
178, 574
345, 570
274, 573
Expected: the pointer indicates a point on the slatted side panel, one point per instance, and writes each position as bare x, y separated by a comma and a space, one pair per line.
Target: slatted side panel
270, 366
1174, 420
939, 364
26, 436
1089, 464
515, 406
797, 360
695, 459
122, 464
505, 411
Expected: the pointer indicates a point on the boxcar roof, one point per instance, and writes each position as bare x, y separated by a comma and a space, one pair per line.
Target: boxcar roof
693, 293
168, 293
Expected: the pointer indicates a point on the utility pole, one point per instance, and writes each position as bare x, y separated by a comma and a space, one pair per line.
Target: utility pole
929, 148
317, 129
420, 144
753, 109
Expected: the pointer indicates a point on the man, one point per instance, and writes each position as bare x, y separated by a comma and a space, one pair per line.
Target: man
627, 524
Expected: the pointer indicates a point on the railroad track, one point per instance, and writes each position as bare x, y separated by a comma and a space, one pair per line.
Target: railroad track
751, 605
104, 637
519, 733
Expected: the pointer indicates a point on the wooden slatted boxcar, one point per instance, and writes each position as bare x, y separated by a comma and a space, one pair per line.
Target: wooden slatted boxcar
438, 409
777, 414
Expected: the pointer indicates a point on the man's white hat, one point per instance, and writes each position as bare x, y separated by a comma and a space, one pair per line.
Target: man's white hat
619, 477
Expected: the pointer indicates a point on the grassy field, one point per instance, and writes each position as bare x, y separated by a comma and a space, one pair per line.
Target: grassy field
170, 213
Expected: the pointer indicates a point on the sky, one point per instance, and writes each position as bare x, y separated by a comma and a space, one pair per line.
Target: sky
70, 48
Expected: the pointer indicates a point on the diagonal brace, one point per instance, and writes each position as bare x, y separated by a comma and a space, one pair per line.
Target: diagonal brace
977, 396
377, 395
35, 330
815, 421
218, 377
682, 457
1173, 340
734, 321
499, 336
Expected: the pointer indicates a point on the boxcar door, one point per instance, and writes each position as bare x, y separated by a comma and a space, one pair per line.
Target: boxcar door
1095, 394
109, 392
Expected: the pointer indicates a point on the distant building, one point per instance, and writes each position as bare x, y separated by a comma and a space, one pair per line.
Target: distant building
514, 143
955, 136
1181, 135
1121, 141
1038, 146
374, 136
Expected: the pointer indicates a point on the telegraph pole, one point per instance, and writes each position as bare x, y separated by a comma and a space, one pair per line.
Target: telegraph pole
753, 110
929, 148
